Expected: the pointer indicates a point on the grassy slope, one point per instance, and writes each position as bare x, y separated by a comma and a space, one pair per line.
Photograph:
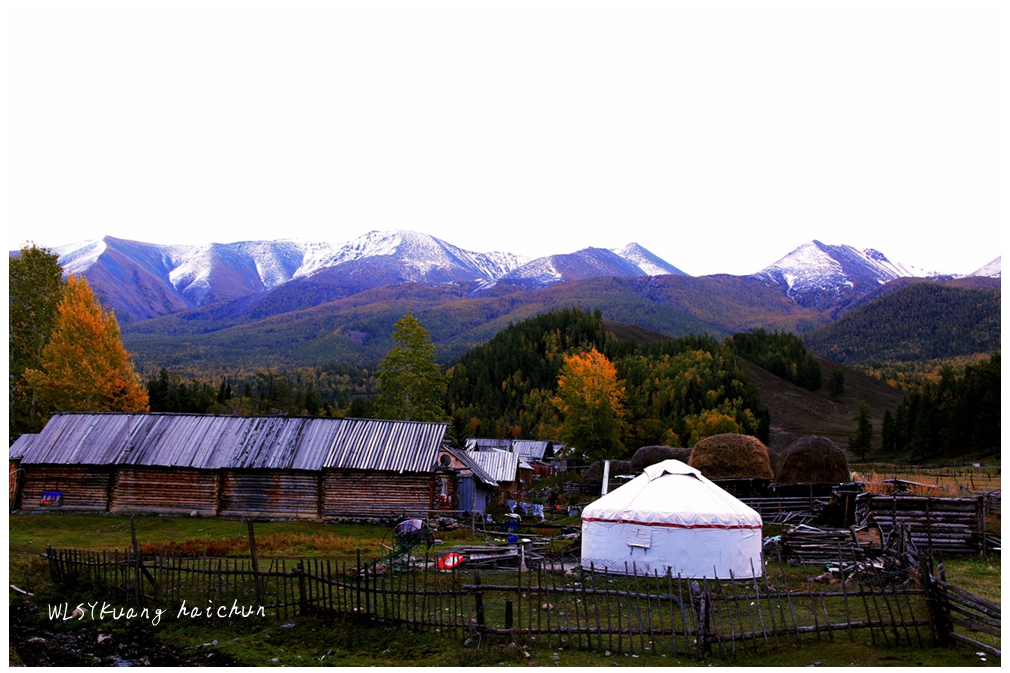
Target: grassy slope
796, 411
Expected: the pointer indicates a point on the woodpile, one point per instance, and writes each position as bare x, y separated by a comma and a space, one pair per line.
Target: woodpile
805, 545
948, 525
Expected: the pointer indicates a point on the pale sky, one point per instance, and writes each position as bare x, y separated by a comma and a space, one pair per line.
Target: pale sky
719, 135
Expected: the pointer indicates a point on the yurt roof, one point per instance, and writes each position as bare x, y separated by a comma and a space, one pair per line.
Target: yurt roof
672, 494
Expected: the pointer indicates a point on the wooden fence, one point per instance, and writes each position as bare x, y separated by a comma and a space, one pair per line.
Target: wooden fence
554, 605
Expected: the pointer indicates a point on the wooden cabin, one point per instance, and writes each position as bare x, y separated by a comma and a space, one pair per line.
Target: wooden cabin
250, 467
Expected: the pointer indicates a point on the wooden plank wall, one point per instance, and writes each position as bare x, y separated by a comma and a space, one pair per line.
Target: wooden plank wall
85, 487
164, 490
348, 492
270, 493
14, 482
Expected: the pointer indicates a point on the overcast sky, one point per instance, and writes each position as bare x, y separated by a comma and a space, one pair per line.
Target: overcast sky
718, 135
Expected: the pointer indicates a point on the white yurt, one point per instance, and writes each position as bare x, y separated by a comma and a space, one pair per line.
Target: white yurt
671, 517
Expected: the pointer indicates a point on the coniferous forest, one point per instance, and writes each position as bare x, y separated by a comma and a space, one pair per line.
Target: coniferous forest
955, 416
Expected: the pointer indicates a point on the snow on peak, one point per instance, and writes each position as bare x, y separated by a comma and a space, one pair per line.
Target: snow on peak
818, 268
77, 258
650, 264
990, 270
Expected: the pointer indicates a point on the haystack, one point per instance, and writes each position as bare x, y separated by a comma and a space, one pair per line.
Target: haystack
594, 472
812, 460
650, 455
732, 456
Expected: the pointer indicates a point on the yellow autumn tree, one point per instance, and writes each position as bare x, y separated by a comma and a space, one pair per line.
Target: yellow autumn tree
591, 401
85, 367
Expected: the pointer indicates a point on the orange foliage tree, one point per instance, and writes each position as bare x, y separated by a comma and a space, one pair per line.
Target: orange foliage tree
85, 367
591, 400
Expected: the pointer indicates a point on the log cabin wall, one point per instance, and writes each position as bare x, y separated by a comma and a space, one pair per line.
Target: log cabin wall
164, 490
287, 494
85, 488
350, 493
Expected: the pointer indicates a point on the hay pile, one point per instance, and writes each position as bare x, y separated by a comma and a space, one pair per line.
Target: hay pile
731, 456
594, 473
650, 455
812, 460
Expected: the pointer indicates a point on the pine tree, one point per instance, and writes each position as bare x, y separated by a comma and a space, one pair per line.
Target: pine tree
836, 386
859, 443
35, 290
889, 433
413, 384
84, 367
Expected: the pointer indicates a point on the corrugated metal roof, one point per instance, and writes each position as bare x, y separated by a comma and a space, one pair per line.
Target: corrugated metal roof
499, 465
20, 445
533, 449
487, 444
530, 449
478, 471
236, 442
400, 446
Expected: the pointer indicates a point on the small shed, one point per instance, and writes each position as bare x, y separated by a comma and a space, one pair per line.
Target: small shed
475, 487
508, 469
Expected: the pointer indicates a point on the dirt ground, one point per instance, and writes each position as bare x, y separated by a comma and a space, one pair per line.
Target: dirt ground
35, 642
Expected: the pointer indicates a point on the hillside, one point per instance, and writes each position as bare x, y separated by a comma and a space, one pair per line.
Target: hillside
357, 328
916, 322
796, 412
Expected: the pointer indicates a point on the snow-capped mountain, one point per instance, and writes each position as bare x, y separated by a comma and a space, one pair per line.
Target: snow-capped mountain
817, 275
990, 270
144, 280
630, 261
262, 278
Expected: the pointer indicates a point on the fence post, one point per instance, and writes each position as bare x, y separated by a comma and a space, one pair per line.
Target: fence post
303, 603
508, 614
934, 609
700, 599
257, 580
981, 521
136, 559
478, 599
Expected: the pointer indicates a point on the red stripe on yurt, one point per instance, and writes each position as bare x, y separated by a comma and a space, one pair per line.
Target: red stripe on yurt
674, 525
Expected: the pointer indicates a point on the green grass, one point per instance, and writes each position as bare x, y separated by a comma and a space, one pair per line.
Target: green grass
316, 641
